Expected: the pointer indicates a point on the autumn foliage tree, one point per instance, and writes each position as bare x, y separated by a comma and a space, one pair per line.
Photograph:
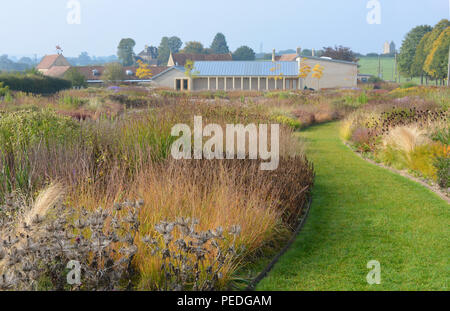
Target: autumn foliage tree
431, 53
143, 71
437, 60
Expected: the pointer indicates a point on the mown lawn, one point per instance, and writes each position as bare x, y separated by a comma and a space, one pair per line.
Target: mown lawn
361, 213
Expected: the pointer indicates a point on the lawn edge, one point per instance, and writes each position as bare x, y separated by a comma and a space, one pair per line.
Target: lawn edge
441, 194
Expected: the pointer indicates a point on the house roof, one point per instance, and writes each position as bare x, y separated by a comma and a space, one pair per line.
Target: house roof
47, 61
245, 68
57, 71
181, 58
286, 57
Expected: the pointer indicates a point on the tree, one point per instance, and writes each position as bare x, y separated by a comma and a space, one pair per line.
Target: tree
318, 73
113, 72
84, 59
167, 45
340, 53
425, 48
125, 51
244, 53
436, 63
435, 33
194, 47
163, 51
409, 48
143, 72
419, 57
219, 44
74, 76
175, 44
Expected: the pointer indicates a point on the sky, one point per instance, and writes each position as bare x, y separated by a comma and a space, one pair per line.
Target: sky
30, 27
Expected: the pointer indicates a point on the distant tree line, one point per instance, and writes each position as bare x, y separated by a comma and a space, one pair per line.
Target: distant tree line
424, 52
22, 64
219, 45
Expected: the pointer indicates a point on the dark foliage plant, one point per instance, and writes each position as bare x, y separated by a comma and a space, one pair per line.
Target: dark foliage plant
36, 84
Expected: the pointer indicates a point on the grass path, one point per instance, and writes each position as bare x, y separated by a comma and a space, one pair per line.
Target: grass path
362, 212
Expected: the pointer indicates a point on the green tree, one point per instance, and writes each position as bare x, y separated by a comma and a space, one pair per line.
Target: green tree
244, 53
113, 72
163, 51
167, 45
125, 51
74, 76
219, 44
419, 57
175, 44
409, 48
194, 47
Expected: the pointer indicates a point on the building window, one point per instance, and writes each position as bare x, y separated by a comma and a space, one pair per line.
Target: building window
182, 84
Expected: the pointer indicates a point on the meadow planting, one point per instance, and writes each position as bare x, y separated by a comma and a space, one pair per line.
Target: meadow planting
87, 177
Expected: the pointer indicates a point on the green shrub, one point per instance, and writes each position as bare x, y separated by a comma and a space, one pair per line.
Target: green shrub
69, 101
4, 90
22, 131
408, 85
442, 135
442, 165
31, 83
287, 120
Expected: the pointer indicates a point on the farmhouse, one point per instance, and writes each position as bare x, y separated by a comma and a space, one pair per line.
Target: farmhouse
257, 75
53, 65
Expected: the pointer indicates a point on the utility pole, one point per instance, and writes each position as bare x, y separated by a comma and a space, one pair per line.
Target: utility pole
379, 67
394, 74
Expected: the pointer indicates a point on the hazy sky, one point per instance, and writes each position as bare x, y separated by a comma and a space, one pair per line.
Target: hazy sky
37, 26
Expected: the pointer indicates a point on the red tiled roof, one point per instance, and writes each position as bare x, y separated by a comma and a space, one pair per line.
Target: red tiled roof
286, 57
47, 61
181, 58
57, 71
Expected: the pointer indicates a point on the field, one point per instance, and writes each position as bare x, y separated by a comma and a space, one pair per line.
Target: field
88, 175
369, 65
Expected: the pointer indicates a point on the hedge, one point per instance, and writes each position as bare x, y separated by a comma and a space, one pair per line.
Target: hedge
31, 83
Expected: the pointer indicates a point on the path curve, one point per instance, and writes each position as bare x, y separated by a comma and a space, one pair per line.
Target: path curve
362, 212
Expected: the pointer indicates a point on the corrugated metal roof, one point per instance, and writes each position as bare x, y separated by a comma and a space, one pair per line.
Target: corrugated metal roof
244, 68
